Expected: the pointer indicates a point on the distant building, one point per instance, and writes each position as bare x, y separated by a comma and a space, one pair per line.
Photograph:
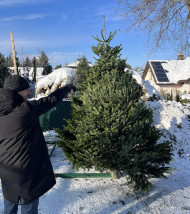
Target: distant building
74, 65
169, 76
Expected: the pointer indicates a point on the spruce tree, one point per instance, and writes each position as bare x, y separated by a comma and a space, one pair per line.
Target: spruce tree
27, 62
47, 69
9, 61
111, 128
58, 66
3, 69
44, 62
43, 59
81, 71
34, 62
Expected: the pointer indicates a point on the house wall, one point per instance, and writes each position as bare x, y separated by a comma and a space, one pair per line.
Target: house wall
186, 87
173, 88
150, 78
169, 88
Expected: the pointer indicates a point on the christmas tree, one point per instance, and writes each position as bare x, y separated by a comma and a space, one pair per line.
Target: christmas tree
111, 128
81, 70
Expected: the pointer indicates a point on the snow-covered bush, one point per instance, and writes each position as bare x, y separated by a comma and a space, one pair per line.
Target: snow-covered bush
58, 78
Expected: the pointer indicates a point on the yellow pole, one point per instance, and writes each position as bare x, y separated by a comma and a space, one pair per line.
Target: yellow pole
14, 55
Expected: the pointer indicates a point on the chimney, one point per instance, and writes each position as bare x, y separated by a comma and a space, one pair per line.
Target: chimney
180, 57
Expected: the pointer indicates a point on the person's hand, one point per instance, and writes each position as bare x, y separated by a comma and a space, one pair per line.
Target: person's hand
69, 90
71, 87
64, 92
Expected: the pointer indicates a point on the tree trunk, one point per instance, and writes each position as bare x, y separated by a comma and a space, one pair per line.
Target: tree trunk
114, 174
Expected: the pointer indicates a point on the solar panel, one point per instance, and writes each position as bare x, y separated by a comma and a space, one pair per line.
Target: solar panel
160, 75
160, 72
155, 63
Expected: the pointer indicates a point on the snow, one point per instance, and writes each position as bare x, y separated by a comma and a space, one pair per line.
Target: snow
56, 77
59, 77
28, 71
185, 96
149, 89
178, 69
75, 64
114, 196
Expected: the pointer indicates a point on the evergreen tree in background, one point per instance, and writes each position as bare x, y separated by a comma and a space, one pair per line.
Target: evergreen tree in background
128, 66
35, 61
47, 69
27, 62
9, 61
58, 66
44, 62
111, 128
81, 71
34, 65
3, 69
43, 59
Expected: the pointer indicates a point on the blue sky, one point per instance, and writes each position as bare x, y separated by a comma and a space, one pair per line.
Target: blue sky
64, 29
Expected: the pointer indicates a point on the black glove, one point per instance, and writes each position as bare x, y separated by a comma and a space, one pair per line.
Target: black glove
64, 91
71, 87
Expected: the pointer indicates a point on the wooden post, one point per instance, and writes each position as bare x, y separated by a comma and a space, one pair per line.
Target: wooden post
14, 56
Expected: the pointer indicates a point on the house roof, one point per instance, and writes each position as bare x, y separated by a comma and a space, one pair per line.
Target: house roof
171, 71
75, 64
159, 71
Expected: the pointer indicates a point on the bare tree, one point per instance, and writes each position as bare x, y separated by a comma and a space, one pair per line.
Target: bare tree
22, 57
139, 69
166, 21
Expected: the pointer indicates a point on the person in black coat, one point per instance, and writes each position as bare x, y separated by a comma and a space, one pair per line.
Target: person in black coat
25, 169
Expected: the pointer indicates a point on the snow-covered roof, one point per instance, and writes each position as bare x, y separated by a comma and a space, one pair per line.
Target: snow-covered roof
75, 64
175, 70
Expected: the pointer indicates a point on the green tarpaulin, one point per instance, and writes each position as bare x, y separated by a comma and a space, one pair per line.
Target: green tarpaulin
54, 118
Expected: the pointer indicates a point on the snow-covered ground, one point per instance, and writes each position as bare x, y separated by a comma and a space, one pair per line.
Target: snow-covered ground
106, 196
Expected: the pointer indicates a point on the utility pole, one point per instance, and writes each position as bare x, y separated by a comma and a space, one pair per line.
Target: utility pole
14, 55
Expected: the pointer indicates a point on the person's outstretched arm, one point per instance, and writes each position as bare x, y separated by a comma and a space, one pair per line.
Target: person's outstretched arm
44, 104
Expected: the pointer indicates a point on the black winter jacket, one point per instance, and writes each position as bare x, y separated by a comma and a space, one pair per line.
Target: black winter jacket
25, 168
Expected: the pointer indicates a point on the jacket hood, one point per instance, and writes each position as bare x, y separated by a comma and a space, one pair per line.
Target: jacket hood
8, 101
